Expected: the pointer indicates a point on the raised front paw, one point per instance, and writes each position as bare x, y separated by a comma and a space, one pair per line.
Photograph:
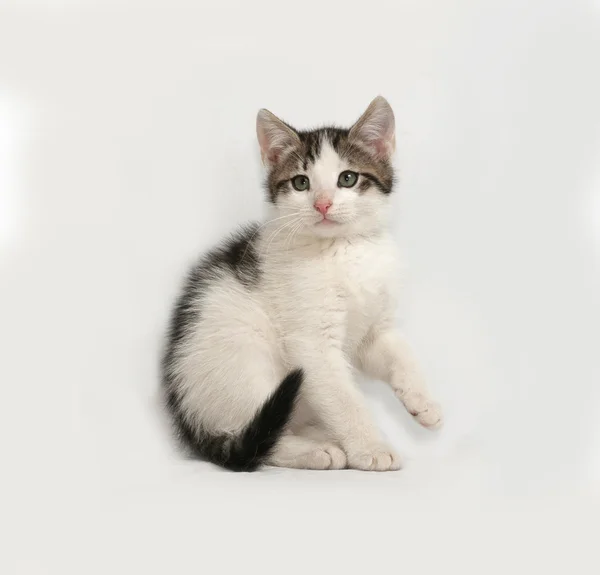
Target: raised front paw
426, 411
377, 458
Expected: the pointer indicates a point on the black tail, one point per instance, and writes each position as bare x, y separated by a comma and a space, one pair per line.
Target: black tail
252, 446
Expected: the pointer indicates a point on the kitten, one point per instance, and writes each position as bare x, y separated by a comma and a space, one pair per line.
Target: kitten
270, 325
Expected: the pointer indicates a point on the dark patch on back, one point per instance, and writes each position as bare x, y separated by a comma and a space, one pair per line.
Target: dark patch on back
235, 255
239, 255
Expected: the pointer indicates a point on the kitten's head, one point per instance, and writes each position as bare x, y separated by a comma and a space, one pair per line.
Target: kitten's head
330, 182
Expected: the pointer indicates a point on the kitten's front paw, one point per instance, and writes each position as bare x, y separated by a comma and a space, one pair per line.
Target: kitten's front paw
336, 457
378, 458
426, 411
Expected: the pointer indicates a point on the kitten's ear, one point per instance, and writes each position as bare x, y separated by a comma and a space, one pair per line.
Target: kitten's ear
274, 136
375, 129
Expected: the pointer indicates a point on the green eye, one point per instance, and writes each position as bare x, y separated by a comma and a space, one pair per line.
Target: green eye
300, 183
347, 179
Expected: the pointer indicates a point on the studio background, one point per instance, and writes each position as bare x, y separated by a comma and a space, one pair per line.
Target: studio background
127, 147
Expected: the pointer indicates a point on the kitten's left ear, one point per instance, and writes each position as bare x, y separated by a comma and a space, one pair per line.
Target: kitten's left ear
375, 129
275, 137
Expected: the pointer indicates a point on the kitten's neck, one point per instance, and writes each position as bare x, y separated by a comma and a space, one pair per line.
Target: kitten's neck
282, 238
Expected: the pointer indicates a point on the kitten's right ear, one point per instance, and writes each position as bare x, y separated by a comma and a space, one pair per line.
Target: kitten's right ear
375, 129
274, 136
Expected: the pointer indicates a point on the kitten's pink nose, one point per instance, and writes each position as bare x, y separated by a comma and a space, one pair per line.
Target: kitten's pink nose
322, 206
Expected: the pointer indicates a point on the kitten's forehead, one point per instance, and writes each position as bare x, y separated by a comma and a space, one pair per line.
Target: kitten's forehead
313, 144
325, 169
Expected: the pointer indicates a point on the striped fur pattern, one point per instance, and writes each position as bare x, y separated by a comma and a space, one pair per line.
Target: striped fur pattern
376, 172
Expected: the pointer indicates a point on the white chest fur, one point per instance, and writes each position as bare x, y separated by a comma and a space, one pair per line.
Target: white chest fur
343, 285
366, 271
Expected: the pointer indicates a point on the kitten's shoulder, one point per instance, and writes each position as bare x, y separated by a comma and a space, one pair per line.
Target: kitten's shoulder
236, 254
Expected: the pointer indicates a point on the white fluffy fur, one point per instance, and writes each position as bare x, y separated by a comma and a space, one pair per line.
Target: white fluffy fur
325, 304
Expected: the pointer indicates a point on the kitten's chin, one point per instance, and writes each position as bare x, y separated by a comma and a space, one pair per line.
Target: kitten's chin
331, 229
328, 231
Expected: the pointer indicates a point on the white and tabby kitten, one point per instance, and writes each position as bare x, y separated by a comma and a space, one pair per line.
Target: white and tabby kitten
270, 325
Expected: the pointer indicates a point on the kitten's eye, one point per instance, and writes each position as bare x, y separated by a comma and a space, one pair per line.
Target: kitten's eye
300, 183
347, 179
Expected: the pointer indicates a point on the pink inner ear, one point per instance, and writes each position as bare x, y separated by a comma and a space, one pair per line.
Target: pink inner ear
375, 128
270, 147
381, 147
273, 155
381, 142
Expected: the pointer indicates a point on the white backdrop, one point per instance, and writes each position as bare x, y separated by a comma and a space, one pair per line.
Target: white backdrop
127, 146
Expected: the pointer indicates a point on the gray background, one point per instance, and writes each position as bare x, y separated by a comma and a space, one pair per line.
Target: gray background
127, 146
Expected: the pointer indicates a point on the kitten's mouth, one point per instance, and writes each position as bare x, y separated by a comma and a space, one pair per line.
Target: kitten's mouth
326, 222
